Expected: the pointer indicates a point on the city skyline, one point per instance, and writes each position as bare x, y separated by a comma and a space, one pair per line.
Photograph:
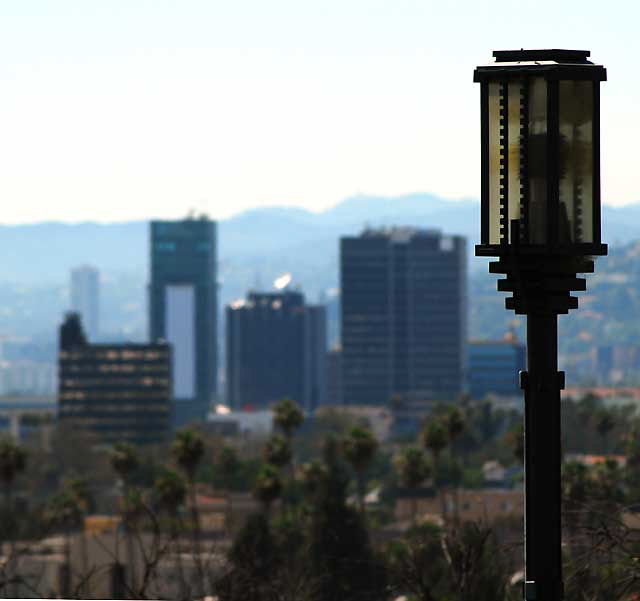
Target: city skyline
124, 111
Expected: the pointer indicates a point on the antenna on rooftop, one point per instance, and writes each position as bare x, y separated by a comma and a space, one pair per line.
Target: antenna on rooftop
203, 208
257, 282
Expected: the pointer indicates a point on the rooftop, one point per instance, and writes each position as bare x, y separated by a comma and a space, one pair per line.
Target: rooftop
400, 233
555, 55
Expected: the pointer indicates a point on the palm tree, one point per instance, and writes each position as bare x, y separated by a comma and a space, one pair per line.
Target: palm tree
359, 448
311, 475
170, 492
288, 417
13, 461
268, 486
79, 487
413, 470
277, 451
228, 465
605, 422
65, 511
455, 427
125, 461
188, 450
435, 438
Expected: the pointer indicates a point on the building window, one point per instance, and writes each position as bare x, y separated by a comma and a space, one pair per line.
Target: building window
165, 246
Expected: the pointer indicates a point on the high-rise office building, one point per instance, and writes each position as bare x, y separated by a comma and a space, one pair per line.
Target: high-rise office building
334, 376
183, 310
85, 291
121, 392
276, 348
494, 366
403, 315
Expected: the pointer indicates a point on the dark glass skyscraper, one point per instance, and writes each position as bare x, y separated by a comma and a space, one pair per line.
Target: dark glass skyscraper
183, 310
276, 348
403, 316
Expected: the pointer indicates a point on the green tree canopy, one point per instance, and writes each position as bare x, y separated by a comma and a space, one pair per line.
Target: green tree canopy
455, 424
413, 468
435, 437
277, 451
359, 447
288, 416
170, 491
342, 564
13, 461
312, 476
268, 485
124, 460
188, 450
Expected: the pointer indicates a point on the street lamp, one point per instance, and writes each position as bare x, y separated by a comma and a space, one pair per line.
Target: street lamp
540, 129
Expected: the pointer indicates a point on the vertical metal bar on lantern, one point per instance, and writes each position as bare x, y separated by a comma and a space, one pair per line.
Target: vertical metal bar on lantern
524, 172
553, 200
504, 162
596, 163
484, 158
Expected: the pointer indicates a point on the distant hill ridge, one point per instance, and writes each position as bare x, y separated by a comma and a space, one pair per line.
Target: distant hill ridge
260, 241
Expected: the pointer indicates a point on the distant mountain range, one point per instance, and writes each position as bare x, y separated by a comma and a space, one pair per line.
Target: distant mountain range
281, 237
254, 248
45, 252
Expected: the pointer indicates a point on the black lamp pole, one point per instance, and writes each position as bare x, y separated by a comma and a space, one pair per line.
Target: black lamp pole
541, 219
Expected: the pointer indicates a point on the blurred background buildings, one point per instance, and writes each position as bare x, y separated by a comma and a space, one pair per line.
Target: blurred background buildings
423, 291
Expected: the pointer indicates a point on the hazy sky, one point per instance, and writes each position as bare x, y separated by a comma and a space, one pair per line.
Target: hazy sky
114, 109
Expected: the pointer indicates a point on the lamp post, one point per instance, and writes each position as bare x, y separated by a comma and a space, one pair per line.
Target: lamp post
541, 218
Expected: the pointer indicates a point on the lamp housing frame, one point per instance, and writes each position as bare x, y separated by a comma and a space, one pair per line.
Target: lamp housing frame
564, 86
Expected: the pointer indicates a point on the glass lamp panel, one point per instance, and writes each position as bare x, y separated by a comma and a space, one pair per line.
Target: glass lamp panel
575, 222
515, 101
494, 163
537, 161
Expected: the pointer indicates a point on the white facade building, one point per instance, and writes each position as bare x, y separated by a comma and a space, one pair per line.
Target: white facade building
85, 291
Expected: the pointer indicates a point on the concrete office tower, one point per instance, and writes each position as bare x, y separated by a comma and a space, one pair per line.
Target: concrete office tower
85, 292
121, 392
276, 348
183, 300
403, 316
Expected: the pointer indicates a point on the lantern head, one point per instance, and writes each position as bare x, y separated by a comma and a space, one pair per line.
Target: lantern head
540, 128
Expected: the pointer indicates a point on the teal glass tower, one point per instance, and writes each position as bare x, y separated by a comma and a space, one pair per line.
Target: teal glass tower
183, 309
